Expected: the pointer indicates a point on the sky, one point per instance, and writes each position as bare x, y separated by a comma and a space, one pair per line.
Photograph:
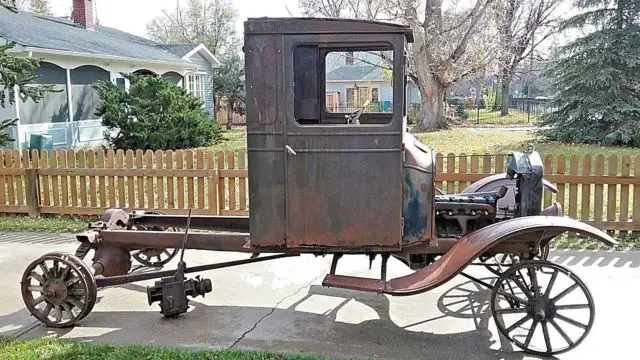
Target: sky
133, 15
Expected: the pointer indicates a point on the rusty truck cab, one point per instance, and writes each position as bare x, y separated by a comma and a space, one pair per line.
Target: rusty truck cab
318, 179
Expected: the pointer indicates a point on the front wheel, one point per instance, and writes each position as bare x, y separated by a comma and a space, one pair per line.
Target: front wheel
542, 307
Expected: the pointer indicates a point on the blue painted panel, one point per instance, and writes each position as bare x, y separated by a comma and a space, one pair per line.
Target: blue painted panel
206, 67
415, 204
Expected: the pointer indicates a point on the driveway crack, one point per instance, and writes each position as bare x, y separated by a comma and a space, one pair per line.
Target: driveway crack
273, 309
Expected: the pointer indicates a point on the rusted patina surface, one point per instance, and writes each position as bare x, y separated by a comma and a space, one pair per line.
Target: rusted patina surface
315, 181
417, 191
214, 241
227, 223
529, 229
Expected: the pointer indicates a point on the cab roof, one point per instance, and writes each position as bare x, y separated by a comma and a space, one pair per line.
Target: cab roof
311, 25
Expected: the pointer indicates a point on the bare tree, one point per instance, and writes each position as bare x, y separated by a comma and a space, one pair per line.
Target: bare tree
40, 7
522, 25
450, 44
211, 22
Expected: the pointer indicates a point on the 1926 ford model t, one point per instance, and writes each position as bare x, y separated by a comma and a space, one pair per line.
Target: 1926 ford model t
328, 180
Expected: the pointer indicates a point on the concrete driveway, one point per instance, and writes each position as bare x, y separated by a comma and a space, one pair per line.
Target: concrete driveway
281, 306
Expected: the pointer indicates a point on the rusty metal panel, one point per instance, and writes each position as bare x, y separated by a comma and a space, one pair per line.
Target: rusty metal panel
344, 183
265, 132
417, 191
465, 250
323, 26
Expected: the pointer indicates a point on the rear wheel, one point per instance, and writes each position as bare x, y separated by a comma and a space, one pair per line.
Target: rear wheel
58, 290
154, 257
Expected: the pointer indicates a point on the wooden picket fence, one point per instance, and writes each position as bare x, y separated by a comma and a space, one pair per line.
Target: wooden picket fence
602, 191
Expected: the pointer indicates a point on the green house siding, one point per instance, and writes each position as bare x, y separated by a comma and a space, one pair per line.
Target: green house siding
206, 67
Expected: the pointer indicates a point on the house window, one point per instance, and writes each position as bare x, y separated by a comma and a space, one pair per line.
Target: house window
195, 85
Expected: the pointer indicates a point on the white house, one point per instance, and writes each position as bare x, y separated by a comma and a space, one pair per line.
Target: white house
77, 52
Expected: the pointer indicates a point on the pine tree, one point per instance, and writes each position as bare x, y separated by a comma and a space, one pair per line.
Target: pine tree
595, 77
154, 114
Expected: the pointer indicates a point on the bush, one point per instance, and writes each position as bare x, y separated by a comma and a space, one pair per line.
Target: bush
460, 106
154, 114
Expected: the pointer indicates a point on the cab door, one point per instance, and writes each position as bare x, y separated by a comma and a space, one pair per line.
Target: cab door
344, 181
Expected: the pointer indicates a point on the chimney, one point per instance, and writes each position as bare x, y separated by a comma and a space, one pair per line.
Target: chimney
82, 13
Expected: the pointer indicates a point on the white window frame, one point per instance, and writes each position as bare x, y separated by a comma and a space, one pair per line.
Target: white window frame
194, 84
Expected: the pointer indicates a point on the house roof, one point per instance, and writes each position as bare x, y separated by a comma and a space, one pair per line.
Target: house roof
63, 35
356, 73
185, 51
179, 50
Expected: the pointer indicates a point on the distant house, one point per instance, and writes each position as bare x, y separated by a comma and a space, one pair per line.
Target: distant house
354, 78
77, 52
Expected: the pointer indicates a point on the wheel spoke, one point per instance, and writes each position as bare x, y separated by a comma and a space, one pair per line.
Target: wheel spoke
67, 309
518, 323
550, 285
534, 281
38, 277
34, 288
572, 307
167, 252
527, 341
513, 297
511, 311
58, 313
65, 273
547, 340
55, 270
76, 292
571, 321
564, 293
75, 302
45, 270
522, 287
38, 300
72, 282
561, 332
47, 310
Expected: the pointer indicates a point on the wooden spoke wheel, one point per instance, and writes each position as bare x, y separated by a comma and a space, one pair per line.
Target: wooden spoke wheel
154, 257
542, 307
58, 289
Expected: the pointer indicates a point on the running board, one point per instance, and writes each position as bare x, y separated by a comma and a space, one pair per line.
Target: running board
354, 283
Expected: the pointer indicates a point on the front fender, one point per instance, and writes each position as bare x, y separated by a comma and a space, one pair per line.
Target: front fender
469, 247
493, 182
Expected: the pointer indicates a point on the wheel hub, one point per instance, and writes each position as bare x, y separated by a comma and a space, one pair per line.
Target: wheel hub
55, 292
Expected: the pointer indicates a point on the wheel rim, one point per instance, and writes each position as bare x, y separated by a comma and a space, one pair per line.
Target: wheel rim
56, 290
93, 290
542, 307
162, 256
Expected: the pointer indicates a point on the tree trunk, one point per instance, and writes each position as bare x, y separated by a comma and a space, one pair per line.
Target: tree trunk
229, 115
432, 100
504, 109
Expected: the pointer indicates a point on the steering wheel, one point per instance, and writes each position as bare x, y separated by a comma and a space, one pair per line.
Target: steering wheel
354, 117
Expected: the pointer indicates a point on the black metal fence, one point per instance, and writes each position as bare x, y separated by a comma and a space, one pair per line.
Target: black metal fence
521, 111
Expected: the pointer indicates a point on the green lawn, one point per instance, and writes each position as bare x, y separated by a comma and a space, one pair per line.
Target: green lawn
44, 224
470, 141
53, 349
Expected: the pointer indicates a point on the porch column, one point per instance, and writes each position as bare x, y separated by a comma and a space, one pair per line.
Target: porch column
16, 97
70, 107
